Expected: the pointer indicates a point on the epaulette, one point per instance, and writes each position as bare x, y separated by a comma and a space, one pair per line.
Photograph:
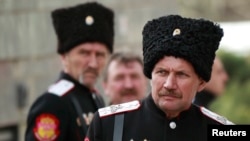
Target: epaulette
215, 116
61, 87
119, 108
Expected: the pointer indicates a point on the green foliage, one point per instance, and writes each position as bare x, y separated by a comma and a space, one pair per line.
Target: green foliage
235, 102
238, 67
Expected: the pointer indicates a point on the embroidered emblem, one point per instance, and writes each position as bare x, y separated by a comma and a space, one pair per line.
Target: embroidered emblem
46, 128
119, 108
215, 116
61, 87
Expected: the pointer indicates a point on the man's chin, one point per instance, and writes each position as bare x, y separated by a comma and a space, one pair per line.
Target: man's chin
130, 98
89, 81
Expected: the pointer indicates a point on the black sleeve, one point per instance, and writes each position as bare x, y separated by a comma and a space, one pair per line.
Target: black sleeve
47, 119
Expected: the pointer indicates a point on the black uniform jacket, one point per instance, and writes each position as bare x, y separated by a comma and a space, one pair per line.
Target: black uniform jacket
53, 116
149, 123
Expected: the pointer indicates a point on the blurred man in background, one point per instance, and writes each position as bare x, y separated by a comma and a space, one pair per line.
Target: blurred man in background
85, 35
124, 80
216, 85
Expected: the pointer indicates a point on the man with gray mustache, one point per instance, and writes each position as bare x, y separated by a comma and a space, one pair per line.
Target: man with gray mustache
178, 54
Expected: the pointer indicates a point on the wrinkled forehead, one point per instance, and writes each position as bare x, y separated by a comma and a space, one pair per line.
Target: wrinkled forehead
174, 64
119, 64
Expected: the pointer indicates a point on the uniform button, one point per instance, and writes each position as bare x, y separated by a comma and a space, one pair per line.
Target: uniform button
172, 125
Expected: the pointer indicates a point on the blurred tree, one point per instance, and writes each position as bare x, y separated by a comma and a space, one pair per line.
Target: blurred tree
235, 102
238, 67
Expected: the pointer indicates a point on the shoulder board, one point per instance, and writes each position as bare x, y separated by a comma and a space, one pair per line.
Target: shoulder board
61, 87
215, 116
119, 108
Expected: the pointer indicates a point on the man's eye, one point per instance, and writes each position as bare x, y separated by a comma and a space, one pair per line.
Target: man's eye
181, 74
162, 72
83, 52
101, 55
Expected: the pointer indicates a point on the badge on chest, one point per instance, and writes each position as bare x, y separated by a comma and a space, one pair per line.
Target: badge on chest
87, 118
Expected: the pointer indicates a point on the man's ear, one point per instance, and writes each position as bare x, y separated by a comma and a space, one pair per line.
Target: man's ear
202, 85
64, 60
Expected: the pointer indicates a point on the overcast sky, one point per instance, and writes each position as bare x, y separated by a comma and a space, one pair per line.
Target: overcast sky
236, 37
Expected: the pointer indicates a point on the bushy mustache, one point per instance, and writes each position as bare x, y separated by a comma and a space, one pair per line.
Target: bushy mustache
91, 70
170, 93
88, 70
131, 91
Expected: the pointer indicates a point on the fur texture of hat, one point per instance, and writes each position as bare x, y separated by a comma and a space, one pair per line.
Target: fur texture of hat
195, 40
88, 22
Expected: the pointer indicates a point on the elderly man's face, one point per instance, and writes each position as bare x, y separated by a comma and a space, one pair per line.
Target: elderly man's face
174, 85
85, 62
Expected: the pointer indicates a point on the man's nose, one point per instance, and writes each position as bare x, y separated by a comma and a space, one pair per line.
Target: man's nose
128, 83
93, 61
170, 82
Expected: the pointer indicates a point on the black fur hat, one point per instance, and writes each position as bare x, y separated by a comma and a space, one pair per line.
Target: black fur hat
88, 22
195, 40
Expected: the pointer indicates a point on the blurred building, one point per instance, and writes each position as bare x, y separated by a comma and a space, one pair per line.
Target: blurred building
28, 59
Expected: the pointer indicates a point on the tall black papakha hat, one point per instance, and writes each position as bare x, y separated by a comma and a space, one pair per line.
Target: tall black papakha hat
88, 22
195, 40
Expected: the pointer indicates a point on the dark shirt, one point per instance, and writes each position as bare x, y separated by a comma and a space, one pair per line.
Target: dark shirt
53, 116
204, 98
149, 123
